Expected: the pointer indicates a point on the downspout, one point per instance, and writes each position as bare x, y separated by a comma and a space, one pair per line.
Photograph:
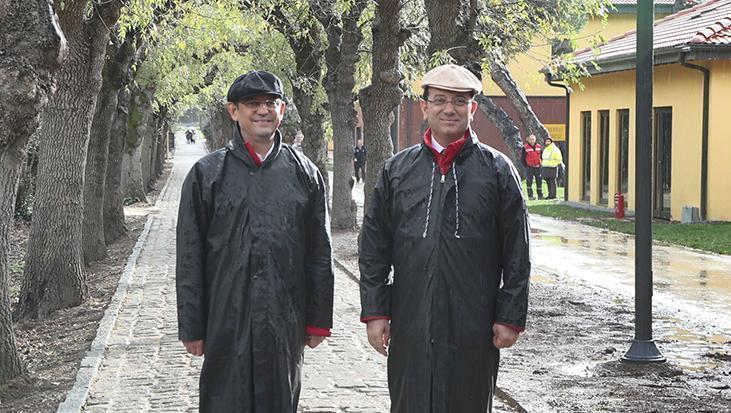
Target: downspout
704, 133
566, 126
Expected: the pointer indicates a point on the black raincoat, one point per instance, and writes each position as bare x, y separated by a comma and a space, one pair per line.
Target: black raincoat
253, 270
458, 244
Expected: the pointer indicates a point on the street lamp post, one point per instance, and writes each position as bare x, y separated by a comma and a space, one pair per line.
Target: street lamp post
643, 348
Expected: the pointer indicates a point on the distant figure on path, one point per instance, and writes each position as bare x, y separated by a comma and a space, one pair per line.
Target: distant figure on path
254, 274
359, 159
448, 215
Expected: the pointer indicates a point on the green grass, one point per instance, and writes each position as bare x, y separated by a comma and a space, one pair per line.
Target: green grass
712, 237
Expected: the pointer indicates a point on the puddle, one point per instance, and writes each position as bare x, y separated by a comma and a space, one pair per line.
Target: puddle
580, 369
693, 351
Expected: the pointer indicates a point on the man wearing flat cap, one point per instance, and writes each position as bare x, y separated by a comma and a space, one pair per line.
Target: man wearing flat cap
254, 274
449, 217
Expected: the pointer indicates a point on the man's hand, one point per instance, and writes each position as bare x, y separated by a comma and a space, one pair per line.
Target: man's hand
314, 341
503, 337
194, 347
379, 335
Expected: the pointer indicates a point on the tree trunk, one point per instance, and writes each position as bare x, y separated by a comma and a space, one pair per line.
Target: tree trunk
218, 130
114, 225
133, 165
114, 76
307, 47
11, 160
54, 276
27, 181
379, 99
510, 132
148, 142
33, 47
501, 76
341, 57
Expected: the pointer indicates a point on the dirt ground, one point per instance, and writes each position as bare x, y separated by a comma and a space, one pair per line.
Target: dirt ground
52, 349
567, 360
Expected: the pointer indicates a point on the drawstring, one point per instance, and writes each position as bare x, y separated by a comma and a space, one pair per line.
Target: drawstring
456, 200
428, 204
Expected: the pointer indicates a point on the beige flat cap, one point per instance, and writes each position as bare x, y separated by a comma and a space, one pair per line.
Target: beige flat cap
452, 77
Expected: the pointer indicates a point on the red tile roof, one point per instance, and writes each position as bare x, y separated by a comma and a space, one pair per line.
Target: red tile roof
633, 2
707, 24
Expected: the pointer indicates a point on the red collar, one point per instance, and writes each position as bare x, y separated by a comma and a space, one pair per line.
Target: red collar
252, 152
446, 159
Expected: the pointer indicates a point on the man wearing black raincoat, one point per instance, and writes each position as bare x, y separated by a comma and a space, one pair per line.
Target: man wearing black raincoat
254, 275
449, 217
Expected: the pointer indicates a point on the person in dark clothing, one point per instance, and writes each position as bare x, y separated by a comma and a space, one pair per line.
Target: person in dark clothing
449, 217
254, 274
359, 159
531, 158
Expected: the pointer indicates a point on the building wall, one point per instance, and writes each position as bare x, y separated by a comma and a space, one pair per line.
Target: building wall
719, 134
525, 66
674, 86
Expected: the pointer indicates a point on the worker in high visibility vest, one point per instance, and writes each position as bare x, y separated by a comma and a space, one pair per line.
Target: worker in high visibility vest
551, 161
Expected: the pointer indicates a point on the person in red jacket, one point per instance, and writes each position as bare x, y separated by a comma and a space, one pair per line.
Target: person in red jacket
531, 157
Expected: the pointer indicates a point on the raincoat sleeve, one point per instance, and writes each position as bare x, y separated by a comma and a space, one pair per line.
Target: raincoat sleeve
318, 265
192, 227
375, 254
512, 303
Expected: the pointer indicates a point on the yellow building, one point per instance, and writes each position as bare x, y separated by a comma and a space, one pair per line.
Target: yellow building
549, 102
692, 111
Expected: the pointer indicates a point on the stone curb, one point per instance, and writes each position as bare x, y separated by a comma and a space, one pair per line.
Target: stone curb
501, 393
76, 397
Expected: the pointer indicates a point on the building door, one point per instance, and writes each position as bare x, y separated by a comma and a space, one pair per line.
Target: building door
604, 157
663, 146
623, 152
585, 156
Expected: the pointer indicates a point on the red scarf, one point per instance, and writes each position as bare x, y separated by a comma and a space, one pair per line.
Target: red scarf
446, 159
252, 152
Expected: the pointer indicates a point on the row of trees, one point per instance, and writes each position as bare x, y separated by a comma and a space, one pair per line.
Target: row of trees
97, 84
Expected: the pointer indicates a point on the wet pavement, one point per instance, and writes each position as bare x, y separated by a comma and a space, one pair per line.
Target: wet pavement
692, 289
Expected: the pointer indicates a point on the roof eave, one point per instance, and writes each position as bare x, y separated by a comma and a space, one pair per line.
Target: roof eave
662, 56
632, 9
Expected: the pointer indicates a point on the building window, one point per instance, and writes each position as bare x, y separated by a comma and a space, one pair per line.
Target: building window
604, 157
586, 156
623, 152
663, 147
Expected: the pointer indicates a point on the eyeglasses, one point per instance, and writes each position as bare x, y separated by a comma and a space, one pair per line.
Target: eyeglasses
458, 101
269, 104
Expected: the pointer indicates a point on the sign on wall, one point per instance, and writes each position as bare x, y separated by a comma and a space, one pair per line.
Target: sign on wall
557, 131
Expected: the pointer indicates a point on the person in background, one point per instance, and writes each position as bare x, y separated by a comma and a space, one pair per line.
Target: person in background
551, 161
530, 155
359, 159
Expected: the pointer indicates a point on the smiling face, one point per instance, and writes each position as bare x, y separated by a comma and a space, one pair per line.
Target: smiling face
448, 120
258, 116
